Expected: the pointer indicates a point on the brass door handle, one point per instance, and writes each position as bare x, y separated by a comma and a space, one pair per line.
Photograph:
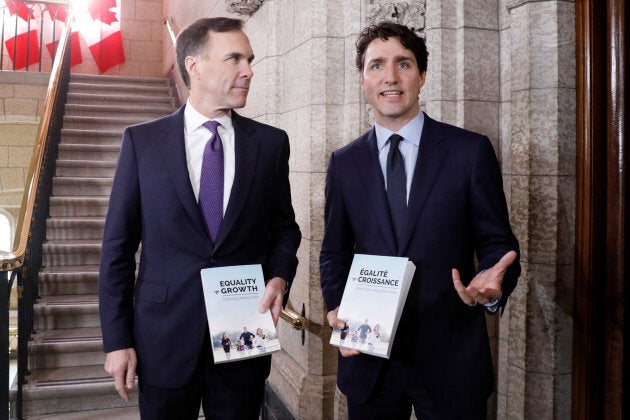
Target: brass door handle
296, 320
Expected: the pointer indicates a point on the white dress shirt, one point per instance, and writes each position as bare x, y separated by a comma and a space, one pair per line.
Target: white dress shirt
196, 136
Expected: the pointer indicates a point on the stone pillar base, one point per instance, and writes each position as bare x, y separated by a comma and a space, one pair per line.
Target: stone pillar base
305, 396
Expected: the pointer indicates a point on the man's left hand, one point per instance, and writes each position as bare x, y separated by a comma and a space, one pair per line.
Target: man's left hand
272, 299
486, 286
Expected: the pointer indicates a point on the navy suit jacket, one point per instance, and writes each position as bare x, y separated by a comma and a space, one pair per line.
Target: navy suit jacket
152, 204
456, 211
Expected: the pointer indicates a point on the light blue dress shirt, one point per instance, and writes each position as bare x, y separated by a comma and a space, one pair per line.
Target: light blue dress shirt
408, 147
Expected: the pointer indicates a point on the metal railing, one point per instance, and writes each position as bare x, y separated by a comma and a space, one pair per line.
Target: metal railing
23, 39
23, 263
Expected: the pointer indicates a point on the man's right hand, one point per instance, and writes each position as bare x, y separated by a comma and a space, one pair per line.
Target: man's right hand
121, 365
335, 322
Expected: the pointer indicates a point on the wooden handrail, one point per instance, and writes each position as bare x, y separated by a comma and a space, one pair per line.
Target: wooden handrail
15, 258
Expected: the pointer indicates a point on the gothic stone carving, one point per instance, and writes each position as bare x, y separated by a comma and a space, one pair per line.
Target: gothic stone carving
410, 14
243, 7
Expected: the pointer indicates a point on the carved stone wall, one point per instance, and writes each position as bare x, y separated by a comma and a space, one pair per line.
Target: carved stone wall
504, 68
243, 7
410, 14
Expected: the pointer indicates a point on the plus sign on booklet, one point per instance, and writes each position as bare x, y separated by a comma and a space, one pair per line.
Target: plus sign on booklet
237, 330
372, 303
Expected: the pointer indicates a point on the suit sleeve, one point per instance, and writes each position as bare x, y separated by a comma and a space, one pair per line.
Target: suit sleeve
338, 243
285, 232
121, 238
491, 225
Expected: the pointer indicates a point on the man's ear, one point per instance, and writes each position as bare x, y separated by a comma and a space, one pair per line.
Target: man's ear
191, 65
423, 78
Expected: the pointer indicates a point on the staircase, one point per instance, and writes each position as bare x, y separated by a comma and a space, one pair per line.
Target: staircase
67, 379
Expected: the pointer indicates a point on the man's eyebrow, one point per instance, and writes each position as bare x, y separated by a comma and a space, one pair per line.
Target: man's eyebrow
375, 60
239, 55
396, 59
403, 57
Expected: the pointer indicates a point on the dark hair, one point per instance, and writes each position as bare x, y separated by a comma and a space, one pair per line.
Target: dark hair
385, 30
194, 38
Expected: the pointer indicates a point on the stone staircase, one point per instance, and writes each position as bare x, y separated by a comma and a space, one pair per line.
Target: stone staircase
67, 379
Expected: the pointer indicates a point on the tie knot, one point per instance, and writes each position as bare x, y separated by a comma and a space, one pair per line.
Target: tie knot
212, 126
215, 140
394, 140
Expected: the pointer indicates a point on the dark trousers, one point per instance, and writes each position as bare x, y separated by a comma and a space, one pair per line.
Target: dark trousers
208, 390
398, 390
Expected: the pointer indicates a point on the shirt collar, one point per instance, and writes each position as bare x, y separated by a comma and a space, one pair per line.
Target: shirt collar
411, 132
193, 119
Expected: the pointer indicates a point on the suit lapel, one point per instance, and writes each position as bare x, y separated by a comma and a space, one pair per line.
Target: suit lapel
173, 148
370, 173
246, 152
430, 158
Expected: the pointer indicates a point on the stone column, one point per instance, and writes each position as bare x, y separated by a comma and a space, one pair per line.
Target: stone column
538, 135
462, 84
300, 86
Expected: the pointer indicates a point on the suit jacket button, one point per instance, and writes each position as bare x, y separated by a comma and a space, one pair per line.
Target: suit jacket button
213, 261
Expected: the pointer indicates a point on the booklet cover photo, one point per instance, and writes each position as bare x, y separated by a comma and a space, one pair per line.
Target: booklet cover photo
237, 329
372, 303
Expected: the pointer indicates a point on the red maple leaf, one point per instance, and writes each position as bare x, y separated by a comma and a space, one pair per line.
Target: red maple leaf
22, 9
99, 10
57, 12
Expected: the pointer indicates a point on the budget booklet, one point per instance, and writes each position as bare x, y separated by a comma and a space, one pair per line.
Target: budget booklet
372, 303
237, 330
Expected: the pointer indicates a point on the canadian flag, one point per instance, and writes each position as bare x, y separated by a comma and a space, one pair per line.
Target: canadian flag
54, 22
21, 38
100, 28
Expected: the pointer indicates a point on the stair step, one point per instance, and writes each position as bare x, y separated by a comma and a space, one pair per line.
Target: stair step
145, 110
78, 206
66, 347
101, 137
136, 80
91, 152
69, 280
101, 123
127, 88
71, 389
73, 252
125, 413
86, 168
66, 311
84, 187
65, 228
120, 99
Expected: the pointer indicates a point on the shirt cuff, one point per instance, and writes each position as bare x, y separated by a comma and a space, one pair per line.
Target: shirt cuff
493, 305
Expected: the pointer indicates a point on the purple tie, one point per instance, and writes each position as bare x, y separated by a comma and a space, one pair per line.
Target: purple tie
211, 181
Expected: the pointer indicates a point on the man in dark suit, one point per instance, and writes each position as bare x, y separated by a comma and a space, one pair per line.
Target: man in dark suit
157, 324
436, 198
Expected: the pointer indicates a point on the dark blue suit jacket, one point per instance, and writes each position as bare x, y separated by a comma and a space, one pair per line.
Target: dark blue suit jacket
152, 204
456, 211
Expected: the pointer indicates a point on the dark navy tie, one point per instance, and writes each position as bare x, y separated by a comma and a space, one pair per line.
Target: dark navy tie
211, 181
396, 184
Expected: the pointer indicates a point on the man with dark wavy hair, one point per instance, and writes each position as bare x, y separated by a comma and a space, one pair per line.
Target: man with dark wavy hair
203, 187
433, 193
